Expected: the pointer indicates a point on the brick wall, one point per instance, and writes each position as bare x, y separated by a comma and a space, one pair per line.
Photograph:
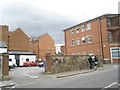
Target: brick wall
4, 33
44, 44
62, 63
18, 40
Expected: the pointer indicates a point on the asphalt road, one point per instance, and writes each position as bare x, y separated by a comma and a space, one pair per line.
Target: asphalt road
107, 78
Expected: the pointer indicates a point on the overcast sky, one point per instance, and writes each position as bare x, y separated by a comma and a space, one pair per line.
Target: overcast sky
37, 17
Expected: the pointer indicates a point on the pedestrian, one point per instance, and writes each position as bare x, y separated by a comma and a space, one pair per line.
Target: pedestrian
90, 61
95, 63
44, 61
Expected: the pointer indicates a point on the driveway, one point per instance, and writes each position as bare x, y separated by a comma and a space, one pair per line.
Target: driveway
21, 75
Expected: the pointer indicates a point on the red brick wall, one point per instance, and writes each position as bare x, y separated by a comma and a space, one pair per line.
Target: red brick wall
4, 33
18, 40
43, 46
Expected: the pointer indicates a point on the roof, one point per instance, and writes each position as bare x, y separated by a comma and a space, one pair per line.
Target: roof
100, 17
36, 38
3, 44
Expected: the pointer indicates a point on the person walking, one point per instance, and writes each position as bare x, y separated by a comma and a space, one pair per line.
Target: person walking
44, 61
90, 61
95, 63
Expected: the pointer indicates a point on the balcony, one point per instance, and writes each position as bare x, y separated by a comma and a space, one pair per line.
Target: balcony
113, 23
113, 35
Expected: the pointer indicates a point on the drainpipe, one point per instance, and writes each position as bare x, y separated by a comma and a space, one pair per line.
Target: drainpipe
65, 43
101, 42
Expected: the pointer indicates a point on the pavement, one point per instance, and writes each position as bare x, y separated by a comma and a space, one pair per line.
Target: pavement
6, 83
72, 73
9, 83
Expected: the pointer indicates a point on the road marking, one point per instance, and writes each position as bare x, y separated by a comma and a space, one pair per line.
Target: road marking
109, 85
116, 66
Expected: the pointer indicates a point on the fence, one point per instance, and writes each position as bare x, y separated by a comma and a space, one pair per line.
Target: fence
63, 63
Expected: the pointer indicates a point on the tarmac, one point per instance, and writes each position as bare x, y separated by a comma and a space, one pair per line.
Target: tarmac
9, 83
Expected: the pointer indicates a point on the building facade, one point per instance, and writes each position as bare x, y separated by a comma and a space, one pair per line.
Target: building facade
17, 45
98, 36
42, 45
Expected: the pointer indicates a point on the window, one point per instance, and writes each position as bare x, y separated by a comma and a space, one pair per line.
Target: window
78, 53
77, 30
90, 53
110, 39
72, 31
88, 26
115, 53
84, 53
72, 42
89, 39
27, 60
83, 40
108, 22
77, 41
10, 60
82, 28
73, 53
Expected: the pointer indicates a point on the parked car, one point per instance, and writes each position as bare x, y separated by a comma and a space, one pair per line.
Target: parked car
30, 64
11, 65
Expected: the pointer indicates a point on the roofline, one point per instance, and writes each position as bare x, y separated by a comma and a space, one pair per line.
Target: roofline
100, 17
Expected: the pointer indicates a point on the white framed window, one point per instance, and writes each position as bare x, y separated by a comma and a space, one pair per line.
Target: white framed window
82, 28
77, 41
77, 30
108, 22
78, 53
72, 31
72, 42
73, 53
110, 38
89, 38
90, 53
88, 26
83, 40
115, 52
84, 53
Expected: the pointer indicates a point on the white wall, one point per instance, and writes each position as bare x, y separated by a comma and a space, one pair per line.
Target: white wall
3, 50
58, 47
24, 57
13, 59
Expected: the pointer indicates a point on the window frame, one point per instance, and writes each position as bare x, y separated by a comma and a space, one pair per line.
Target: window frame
84, 53
72, 31
89, 39
88, 26
77, 43
82, 28
84, 40
77, 30
72, 42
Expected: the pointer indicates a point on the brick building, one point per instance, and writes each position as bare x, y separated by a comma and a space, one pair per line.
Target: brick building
15, 40
18, 45
42, 45
98, 36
